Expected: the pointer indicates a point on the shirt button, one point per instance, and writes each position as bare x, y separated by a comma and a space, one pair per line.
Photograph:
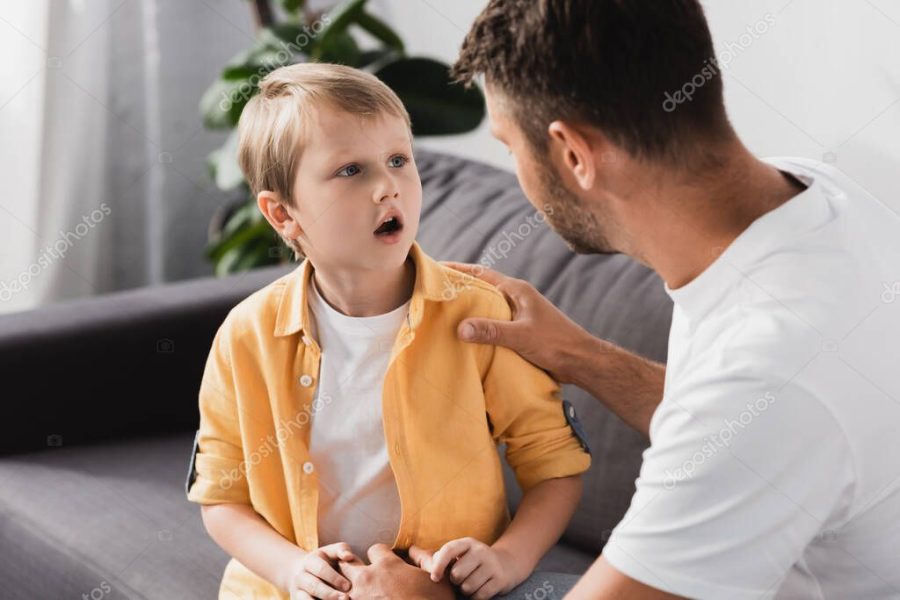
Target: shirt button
308, 467
571, 412
306, 380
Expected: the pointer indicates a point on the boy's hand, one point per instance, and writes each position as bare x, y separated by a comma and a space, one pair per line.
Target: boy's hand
480, 571
314, 574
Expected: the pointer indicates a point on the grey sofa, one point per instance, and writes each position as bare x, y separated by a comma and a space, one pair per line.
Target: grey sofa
99, 407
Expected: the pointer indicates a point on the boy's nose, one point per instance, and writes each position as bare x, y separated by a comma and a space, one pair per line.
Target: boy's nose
381, 196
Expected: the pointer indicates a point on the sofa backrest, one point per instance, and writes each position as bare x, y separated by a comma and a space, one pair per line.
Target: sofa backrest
478, 214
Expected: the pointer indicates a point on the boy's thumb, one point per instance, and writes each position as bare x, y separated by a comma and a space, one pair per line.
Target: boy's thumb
482, 331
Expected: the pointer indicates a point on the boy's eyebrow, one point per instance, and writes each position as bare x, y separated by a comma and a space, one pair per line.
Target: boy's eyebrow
343, 154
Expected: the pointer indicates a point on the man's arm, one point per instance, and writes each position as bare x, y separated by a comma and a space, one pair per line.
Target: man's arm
603, 581
627, 384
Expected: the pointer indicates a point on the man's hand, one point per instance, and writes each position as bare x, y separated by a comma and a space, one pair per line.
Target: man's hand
629, 385
388, 576
314, 574
480, 571
539, 331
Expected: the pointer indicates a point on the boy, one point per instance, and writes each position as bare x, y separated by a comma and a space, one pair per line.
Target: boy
337, 408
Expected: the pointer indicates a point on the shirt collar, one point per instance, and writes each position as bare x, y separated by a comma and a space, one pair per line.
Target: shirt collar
804, 212
431, 284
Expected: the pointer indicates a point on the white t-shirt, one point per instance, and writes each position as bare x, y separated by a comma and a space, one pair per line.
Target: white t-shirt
774, 465
358, 499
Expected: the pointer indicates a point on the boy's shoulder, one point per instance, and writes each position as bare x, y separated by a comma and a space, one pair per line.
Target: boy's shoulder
474, 296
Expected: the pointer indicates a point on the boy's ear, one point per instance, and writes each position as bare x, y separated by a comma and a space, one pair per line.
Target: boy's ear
277, 214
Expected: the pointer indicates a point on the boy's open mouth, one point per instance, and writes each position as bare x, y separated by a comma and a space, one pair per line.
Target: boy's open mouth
389, 226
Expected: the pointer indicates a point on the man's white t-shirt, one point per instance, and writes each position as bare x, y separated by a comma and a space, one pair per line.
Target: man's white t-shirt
358, 498
774, 464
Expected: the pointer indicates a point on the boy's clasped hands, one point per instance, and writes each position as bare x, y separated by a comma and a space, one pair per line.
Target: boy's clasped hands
334, 572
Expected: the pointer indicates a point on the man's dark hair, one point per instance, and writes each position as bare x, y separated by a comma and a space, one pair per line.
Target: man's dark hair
623, 66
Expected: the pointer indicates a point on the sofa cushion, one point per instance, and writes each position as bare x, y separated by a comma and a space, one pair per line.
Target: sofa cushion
108, 517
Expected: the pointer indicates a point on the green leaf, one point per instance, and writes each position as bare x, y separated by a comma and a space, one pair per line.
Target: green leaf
380, 30
223, 101
245, 235
243, 258
257, 255
291, 7
336, 21
340, 48
245, 216
224, 164
436, 105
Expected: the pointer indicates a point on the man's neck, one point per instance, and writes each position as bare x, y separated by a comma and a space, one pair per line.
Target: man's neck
366, 293
687, 222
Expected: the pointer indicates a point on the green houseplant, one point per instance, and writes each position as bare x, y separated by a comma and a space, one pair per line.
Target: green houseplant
289, 32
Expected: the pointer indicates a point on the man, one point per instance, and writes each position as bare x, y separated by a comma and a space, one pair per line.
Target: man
774, 464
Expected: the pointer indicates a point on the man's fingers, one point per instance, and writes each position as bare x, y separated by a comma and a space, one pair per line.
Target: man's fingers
320, 568
443, 557
421, 557
351, 569
379, 552
479, 271
488, 331
300, 595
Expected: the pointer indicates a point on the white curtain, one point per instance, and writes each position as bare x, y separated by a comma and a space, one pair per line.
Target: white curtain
102, 148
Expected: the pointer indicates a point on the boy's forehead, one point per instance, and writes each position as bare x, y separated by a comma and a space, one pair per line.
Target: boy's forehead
333, 130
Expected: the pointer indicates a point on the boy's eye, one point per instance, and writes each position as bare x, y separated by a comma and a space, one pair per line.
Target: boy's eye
348, 171
398, 161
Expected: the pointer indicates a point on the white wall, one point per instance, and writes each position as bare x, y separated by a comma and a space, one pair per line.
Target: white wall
436, 28
816, 78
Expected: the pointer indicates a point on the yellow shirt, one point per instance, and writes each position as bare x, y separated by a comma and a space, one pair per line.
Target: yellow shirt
446, 405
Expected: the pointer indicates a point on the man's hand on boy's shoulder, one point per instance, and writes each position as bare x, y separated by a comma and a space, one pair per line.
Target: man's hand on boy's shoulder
539, 332
389, 576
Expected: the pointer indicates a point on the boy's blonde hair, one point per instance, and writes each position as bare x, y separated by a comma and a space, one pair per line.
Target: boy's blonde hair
272, 125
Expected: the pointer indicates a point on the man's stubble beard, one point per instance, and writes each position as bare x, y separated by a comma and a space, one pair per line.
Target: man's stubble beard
575, 224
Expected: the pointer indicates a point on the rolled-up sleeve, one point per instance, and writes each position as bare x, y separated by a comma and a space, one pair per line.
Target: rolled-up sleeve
526, 413
217, 473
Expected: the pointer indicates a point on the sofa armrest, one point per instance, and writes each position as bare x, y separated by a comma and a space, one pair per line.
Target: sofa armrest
122, 364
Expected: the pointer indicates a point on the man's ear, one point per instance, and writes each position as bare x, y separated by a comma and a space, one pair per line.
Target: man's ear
276, 213
577, 152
